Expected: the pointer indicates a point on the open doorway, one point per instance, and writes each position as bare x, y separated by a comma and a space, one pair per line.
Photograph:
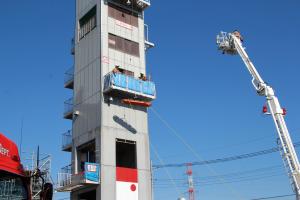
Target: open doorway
126, 154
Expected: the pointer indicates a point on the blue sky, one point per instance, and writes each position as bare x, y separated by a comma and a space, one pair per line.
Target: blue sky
205, 96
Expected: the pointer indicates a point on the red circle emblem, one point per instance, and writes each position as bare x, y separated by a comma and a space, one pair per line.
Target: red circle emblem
133, 188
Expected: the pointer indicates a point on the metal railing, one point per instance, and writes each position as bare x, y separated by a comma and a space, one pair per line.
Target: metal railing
68, 106
144, 1
67, 139
148, 44
129, 85
69, 75
73, 46
146, 32
66, 180
66, 169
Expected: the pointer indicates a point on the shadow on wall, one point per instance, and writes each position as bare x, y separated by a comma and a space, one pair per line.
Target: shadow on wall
124, 124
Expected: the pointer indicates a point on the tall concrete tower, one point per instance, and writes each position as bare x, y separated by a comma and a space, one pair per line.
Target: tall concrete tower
109, 139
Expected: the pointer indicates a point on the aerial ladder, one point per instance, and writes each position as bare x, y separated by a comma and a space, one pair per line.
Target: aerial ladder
232, 43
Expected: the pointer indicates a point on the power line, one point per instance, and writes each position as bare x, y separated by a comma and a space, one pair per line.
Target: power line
263, 170
242, 179
274, 197
234, 192
235, 177
226, 159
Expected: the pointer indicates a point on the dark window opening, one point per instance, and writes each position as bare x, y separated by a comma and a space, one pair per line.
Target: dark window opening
12, 187
86, 153
88, 195
87, 23
126, 154
123, 45
123, 15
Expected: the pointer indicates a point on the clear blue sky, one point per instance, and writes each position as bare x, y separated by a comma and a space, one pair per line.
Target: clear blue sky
205, 96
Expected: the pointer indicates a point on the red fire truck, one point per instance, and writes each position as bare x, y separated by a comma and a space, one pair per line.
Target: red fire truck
14, 180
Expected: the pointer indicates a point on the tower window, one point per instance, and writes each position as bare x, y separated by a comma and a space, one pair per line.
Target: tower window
87, 23
126, 154
123, 15
86, 153
123, 45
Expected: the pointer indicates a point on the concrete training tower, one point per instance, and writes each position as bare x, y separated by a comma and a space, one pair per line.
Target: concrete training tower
109, 138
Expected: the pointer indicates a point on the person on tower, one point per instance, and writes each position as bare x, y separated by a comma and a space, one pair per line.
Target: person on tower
116, 69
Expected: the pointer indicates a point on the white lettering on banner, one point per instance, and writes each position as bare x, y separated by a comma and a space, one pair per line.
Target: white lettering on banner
92, 168
3, 151
119, 23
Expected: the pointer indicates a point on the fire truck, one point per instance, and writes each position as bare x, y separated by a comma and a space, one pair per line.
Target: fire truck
14, 180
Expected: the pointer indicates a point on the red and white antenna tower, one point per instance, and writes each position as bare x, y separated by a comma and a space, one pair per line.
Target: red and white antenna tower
191, 190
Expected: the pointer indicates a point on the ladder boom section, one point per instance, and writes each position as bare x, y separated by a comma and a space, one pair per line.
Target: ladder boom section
231, 43
241, 51
288, 152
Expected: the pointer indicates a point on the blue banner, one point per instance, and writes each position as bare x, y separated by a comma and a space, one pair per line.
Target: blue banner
92, 172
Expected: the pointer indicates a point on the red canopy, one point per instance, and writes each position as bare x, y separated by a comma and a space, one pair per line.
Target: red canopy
9, 156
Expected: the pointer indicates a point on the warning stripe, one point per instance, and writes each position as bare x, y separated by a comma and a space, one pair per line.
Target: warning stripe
126, 175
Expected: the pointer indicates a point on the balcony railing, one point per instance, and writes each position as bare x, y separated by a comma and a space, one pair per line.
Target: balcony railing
66, 181
67, 141
69, 78
148, 44
64, 177
68, 110
73, 46
127, 86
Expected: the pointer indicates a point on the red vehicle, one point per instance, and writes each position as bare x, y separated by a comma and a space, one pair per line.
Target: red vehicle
14, 181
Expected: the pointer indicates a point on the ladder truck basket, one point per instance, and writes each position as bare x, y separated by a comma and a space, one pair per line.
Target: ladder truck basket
226, 44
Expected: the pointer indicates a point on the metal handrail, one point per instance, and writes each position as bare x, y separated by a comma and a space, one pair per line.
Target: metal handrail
69, 75
68, 106
64, 179
148, 44
66, 169
67, 139
109, 83
73, 46
147, 1
146, 32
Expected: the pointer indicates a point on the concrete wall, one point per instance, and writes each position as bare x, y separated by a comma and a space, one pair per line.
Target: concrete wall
102, 121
